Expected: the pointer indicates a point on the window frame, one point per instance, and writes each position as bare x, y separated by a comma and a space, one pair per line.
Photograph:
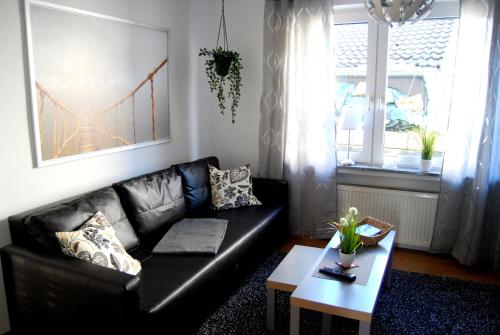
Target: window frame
353, 12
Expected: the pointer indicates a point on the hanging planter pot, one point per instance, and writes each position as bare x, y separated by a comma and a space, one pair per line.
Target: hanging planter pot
224, 66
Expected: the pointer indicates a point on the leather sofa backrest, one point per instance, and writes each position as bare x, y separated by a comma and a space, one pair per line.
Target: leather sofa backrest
196, 185
38, 227
153, 201
35, 229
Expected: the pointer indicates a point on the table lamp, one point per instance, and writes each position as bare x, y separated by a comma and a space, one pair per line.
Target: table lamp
351, 119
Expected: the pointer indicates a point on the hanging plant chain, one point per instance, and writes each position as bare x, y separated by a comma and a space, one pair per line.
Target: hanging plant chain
222, 24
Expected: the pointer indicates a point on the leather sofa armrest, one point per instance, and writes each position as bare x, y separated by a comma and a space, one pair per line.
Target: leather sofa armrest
271, 191
51, 291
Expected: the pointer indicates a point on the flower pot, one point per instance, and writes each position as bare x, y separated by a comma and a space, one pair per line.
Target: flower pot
346, 259
425, 165
222, 64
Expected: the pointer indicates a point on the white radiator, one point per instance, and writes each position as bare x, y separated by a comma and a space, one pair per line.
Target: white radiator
412, 213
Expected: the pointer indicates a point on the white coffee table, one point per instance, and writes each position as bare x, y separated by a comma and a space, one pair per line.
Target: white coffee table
333, 297
288, 275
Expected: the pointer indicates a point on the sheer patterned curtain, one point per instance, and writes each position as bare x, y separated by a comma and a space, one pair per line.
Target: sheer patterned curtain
461, 227
491, 248
297, 126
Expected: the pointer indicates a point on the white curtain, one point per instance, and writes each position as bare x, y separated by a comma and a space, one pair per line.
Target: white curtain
465, 169
297, 127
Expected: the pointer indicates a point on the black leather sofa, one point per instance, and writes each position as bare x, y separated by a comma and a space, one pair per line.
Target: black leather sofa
51, 292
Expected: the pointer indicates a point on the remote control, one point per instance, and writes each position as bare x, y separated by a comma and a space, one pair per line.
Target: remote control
337, 273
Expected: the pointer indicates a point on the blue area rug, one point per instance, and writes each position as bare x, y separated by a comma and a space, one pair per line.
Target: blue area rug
415, 304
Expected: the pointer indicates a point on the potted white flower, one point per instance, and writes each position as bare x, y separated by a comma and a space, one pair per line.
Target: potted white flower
349, 240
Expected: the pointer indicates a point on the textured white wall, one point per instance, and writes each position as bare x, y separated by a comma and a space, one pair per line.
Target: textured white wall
234, 144
23, 187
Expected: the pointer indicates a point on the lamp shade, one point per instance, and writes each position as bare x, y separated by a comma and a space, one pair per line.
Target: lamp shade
351, 117
398, 11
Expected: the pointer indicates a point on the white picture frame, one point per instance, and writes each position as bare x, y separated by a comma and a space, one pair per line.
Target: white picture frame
98, 84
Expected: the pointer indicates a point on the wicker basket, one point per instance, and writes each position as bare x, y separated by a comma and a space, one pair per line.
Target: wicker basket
370, 241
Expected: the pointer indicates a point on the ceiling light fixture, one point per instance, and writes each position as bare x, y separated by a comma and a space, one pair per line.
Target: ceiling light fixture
398, 11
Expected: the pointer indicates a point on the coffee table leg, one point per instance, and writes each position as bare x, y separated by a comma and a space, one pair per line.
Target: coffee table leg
388, 271
364, 327
294, 320
271, 305
326, 324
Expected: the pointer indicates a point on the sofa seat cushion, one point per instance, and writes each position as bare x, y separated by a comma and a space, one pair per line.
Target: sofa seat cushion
169, 280
252, 214
152, 201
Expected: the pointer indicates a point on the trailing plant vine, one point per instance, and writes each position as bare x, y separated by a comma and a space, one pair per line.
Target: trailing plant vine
218, 82
223, 66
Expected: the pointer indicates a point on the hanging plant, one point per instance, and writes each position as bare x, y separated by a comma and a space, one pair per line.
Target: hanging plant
224, 66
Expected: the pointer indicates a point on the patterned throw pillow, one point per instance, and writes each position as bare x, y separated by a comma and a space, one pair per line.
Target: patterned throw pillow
96, 242
231, 188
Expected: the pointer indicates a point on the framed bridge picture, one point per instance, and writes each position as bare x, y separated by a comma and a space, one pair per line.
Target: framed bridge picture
99, 84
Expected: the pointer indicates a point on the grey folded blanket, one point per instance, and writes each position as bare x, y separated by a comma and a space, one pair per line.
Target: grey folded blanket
197, 236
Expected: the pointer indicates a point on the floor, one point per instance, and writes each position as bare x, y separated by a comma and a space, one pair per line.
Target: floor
417, 261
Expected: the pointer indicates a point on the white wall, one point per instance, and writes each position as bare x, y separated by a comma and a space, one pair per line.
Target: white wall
234, 144
198, 129
23, 187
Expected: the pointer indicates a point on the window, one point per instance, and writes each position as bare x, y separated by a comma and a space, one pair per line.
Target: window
351, 40
395, 78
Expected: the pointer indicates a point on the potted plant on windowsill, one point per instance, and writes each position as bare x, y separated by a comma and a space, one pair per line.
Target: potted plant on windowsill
427, 140
350, 241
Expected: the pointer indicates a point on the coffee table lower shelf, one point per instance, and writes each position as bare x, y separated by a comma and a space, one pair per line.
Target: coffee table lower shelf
326, 321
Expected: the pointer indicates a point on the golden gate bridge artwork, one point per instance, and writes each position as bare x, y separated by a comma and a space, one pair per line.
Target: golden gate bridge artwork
65, 132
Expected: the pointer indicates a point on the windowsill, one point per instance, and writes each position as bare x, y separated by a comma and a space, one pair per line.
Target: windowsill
401, 172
